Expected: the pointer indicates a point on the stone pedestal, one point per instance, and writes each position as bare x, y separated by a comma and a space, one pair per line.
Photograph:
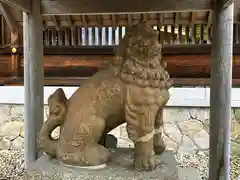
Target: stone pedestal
120, 168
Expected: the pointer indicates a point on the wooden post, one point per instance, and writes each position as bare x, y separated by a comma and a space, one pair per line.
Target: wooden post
220, 96
33, 81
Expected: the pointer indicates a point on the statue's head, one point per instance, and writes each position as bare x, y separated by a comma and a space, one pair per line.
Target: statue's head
141, 44
139, 57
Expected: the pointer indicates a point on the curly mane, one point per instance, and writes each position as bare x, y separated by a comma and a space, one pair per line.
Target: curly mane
138, 58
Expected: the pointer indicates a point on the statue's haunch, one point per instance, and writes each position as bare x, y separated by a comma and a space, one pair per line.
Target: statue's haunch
132, 89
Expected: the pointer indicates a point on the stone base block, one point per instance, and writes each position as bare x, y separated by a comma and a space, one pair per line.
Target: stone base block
120, 168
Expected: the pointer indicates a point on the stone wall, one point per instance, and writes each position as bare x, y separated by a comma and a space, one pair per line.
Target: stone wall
185, 129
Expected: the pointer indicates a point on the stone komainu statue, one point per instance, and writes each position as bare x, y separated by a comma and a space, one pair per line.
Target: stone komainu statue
133, 89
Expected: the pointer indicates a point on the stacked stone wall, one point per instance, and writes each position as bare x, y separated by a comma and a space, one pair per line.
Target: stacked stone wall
185, 129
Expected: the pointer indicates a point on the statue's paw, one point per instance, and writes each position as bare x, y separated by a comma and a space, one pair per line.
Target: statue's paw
145, 163
104, 154
96, 155
159, 146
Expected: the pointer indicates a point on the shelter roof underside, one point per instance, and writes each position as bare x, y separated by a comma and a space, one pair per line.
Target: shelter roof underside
92, 13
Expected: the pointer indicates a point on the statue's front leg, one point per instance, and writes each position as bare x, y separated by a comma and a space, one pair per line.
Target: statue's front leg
140, 128
159, 146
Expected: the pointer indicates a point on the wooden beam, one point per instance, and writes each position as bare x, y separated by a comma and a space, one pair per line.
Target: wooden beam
33, 85
109, 50
66, 7
78, 81
220, 94
178, 65
11, 22
23, 5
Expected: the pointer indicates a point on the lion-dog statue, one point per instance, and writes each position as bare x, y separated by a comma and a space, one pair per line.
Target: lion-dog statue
132, 89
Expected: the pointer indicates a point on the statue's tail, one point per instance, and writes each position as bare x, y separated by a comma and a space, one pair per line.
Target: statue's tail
57, 103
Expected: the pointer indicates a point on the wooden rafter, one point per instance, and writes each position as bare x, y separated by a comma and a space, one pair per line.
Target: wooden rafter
226, 3
54, 7
84, 21
176, 18
70, 21
209, 19
56, 23
114, 21
23, 5
160, 19
129, 20
12, 24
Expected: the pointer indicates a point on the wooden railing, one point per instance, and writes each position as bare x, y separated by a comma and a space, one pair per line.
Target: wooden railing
107, 36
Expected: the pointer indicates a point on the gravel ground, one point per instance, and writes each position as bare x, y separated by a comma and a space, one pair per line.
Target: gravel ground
200, 161
12, 164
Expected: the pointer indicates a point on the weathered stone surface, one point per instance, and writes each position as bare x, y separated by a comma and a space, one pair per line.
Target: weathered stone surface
120, 168
199, 113
170, 144
11, 129
5, 114
9, 112
16, 112
189, 174
201, 139
5, 144
110, 98
187, 145
173, 115
236, 114
190, 127
125, 143
173, 132
17, 143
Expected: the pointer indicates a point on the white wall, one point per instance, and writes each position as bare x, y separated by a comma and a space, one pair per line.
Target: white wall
185, 97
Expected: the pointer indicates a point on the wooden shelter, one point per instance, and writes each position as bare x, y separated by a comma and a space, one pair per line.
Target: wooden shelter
67, 41
77, 45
